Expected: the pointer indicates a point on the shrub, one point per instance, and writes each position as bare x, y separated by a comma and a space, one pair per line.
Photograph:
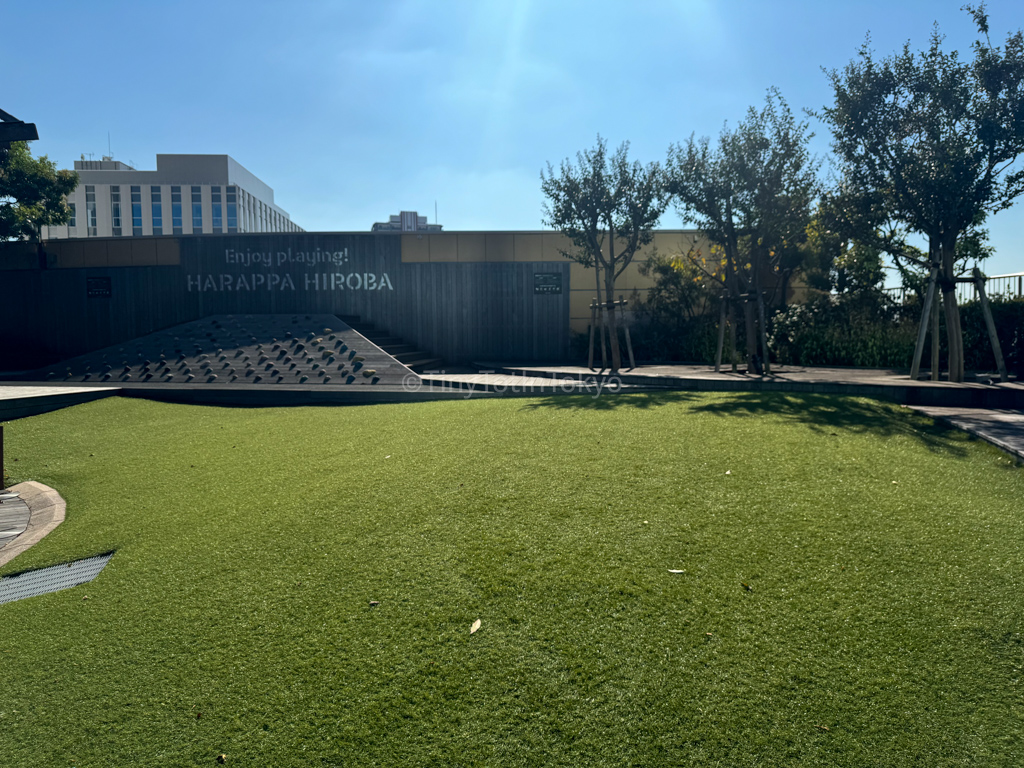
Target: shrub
831, 331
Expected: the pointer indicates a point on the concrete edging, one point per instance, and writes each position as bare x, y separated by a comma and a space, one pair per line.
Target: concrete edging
46, 512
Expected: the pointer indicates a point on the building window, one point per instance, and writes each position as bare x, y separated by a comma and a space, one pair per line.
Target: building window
215, 206
115, 210
73, 221
176, 210
136, 211
90, 210
158, 210
232, 194
197, 209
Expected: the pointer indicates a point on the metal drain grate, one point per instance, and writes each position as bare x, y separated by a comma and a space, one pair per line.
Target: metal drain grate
52, 579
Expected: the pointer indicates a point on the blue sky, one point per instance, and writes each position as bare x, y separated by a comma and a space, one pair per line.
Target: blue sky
353, 111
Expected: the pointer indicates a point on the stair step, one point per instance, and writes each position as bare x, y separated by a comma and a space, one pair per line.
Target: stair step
414, 354
419, 365
395, 346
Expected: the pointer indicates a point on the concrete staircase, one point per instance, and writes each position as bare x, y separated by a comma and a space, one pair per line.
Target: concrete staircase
407, 354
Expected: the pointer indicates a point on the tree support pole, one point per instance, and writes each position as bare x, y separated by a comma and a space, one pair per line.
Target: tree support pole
767, 366
625, 328
609, 280
922, 330
997, 350
601, 315
721, 337
732, 337
936, 371
593, 321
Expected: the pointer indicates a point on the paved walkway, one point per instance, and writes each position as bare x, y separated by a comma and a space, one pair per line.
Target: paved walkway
35, 510
20, 400
1004, 429
14, 516
894, 386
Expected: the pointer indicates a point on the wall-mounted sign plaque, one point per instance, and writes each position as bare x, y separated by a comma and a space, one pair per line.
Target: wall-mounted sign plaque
97, 287
547, 282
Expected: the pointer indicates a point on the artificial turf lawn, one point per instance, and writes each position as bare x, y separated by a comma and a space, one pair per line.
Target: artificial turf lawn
885, 625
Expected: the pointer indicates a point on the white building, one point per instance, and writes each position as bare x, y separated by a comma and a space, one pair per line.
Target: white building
185, 195
406, 221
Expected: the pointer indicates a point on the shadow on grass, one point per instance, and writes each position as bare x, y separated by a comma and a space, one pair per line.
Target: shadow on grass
820, 413
610, 402
827, 413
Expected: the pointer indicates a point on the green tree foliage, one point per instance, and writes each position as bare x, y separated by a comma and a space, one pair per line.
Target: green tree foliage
751, 196
608, 206
673, 320
929, 141
853, 269
32, 193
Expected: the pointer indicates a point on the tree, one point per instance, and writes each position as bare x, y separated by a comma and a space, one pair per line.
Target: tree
608, 207
32, 193
751, 197
930, 141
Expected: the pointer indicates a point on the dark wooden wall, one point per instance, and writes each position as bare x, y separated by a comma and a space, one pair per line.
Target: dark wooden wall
459, 311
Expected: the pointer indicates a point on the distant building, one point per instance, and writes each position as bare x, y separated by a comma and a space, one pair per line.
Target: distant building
406, 221
185, 195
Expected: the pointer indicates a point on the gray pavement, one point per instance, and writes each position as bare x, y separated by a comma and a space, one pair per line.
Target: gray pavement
1003, 429
883, 384
14, 516
20, 400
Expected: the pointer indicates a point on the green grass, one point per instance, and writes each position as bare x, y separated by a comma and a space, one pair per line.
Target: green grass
884, 555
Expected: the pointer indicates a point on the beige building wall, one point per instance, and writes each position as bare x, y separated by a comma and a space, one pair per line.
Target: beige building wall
547, 247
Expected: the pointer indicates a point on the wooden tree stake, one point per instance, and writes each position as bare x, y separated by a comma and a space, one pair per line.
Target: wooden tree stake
997, 350
922, 331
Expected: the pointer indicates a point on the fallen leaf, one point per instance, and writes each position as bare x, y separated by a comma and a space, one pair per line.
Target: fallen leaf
475, 627
822, 727
673, 570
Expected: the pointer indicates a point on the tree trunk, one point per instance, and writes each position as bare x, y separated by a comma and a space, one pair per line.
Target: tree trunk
732, 336
721, 336
935, 339
954, 333
600, 315
929, 303
750, 328
762, 322
609, 283
613, 323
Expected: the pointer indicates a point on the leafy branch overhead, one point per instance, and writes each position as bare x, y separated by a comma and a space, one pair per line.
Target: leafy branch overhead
602, 193
32, 193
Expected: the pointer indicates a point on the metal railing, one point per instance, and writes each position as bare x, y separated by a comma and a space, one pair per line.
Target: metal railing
997, 287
